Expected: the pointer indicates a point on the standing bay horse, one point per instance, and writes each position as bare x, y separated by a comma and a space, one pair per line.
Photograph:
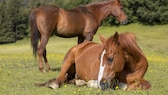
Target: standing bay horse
82, 21
117, 57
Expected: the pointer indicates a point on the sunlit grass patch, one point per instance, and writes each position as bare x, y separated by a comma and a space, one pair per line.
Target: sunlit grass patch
158, 59
19, 69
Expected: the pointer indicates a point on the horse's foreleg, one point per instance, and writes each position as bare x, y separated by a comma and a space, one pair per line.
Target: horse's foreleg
132, 81
80, 39
139, 84
45, 60
89, 36
143, 84
66, 68
136, 81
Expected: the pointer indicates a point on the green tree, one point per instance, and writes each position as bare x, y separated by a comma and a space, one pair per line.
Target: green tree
6, 32
147, 11
153, 12
12, 22
69, 4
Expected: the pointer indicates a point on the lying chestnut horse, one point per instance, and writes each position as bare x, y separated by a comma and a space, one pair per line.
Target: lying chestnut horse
117, 57
82, 21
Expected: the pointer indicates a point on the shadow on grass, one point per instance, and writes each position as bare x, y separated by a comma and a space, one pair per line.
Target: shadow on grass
56, 69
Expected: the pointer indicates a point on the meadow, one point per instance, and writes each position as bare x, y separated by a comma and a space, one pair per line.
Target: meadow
19, 70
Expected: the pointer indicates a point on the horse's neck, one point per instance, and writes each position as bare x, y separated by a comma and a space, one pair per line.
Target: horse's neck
100, 12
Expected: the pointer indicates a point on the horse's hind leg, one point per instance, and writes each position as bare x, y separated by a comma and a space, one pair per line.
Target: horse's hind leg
42, 53
45, 60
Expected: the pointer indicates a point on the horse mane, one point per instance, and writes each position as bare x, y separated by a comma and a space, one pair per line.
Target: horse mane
128, 42
82, 8
97, 4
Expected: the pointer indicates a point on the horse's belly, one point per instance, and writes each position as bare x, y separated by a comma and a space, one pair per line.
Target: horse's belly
85, 74
66, 33
68, 26
82, 75
70, 30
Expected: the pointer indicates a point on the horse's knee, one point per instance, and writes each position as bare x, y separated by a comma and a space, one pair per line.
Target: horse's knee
145, 85
89, 36
139, 84
40, 51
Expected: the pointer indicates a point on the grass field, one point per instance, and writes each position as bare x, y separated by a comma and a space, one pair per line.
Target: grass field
19, 70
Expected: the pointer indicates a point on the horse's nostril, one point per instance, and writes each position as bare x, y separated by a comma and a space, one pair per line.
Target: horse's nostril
104, 85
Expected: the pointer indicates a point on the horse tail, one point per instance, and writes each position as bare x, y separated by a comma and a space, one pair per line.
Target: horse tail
35, 35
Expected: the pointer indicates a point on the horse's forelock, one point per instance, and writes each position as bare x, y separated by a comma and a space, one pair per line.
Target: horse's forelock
110, 40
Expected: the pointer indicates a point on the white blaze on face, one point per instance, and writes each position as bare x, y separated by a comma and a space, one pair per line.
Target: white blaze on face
101, 68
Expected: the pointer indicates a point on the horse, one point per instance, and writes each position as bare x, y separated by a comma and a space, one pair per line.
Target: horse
118, 57
81, 22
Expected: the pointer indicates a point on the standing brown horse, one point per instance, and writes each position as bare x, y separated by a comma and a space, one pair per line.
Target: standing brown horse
82, 21
117, 57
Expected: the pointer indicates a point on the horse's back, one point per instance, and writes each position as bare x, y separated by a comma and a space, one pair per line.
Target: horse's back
83, 47
48, 8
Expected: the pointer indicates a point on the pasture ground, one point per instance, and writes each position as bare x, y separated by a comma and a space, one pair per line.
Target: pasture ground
19, 70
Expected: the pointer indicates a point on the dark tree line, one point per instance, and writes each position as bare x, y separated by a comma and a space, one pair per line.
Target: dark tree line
147, 11
14, 14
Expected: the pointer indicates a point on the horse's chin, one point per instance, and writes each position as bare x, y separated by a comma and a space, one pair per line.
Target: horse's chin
105, 84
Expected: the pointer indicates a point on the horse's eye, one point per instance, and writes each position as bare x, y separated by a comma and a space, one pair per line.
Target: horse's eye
110, 60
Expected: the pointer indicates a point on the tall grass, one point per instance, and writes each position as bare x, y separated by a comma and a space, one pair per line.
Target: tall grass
19, 70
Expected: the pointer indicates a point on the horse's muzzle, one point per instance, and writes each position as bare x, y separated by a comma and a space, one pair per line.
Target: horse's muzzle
124, 22
105, 84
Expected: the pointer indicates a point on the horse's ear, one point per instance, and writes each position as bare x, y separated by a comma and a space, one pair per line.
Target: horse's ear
116, 38
102, 38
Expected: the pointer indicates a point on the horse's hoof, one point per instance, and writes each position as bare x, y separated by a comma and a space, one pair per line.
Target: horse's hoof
49, 70
80, 82
42, 70
53, 86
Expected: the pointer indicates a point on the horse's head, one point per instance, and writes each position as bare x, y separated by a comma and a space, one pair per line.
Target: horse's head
111, 61
118, 12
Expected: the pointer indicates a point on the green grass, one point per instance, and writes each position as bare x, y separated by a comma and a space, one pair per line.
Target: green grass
19, 70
